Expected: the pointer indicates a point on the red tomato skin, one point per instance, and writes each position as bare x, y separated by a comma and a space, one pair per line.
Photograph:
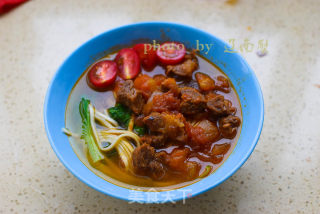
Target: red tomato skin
102, 74
146, 84
177, 159
163, 53
128, 63
148, 56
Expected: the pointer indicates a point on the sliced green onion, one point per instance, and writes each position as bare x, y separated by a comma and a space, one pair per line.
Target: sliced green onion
206, 171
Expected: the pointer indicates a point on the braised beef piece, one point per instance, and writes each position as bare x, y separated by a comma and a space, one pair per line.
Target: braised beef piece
138, 121
156, 140
189, 83
219, 106
222, 84
127, 95
228, 126
192, 101
170, 125
155, 122
186, 68
170, 85
205, 82
147, 162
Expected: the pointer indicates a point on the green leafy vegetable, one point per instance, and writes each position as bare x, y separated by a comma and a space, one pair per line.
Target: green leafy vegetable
139, 130
122, 115
87, 133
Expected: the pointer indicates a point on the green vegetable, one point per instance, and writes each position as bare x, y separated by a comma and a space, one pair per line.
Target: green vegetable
139, 130
206, 171
122, 115
87, 133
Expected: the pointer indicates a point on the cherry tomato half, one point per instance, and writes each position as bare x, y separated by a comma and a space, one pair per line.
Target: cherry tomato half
128, 63
147, 55
170, 53
102, 74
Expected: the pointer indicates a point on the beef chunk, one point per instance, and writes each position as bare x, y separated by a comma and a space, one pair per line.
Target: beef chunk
138, 121
127, 95
170, 125
222, 84
192, 101
228, 126
156, 141
186, 68
170, 85
147, 162
156, 122
205, 82
219, 106
189, 83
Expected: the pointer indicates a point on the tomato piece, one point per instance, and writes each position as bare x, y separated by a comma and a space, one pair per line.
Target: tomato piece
204, 133
205, 82
177, 159
211, 130
170, 53
170, 84
192, 170
221, 149
223, 84
146, 84
102, 74
197, 135
165, 102
147, 55
128, 63
159, 78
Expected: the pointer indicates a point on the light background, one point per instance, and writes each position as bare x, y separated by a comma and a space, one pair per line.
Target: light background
281, 176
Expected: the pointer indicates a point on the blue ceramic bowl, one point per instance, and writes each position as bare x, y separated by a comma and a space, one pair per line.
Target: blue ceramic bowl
234, 66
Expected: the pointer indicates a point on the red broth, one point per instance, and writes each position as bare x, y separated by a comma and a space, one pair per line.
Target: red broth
110, 169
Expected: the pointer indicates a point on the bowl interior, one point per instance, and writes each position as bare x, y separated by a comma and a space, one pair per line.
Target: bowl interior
232, 64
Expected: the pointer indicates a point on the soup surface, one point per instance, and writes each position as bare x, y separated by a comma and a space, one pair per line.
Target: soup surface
184, 121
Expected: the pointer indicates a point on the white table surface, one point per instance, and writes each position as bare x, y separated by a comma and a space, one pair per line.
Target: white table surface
281, 176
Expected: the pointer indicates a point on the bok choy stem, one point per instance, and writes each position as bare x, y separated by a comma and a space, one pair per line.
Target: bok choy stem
87, 130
